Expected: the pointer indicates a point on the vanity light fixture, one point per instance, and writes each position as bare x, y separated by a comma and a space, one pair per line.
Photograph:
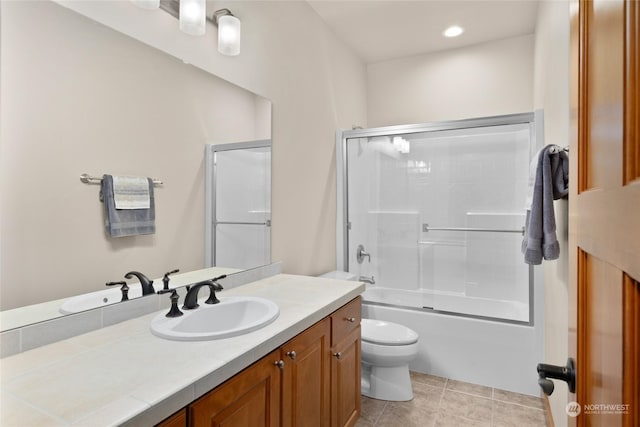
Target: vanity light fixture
193, 16
147, 4
453, 31
228, 32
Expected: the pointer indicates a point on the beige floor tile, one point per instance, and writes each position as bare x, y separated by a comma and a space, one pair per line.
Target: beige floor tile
426, 396
508, 414
432, 380
452, 420
439, 402
364, 423
406, 415
466, 405
478, 390
521, 399
371, 409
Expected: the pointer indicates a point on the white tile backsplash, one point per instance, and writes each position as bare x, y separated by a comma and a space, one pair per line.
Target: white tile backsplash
9, 342
61, 328
40, 334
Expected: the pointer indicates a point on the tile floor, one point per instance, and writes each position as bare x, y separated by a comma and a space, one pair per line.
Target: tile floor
441, 402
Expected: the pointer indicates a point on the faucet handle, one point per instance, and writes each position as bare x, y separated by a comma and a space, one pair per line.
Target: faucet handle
174, 311
215, 279
165, 279
124, 289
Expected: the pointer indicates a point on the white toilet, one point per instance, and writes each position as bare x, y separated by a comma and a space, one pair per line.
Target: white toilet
387, 349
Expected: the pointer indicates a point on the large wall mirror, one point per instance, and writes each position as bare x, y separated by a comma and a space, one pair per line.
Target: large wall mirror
78, 97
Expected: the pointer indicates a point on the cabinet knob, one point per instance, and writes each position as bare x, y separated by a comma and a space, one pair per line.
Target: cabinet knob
279, 364
350, 319
338, 355
292, 354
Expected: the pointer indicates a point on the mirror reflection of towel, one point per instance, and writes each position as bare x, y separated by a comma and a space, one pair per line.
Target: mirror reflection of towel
551, 183
126, 222
131, 192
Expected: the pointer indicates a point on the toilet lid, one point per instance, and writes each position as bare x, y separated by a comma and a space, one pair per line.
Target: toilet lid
386, 333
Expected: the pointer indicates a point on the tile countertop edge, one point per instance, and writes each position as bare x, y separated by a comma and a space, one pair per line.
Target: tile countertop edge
155, 413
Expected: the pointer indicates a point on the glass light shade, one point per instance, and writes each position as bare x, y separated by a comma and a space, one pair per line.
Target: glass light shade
193, 16
229, 35
147, 4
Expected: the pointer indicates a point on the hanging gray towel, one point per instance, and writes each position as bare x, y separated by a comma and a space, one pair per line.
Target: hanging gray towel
551, 183
126, 222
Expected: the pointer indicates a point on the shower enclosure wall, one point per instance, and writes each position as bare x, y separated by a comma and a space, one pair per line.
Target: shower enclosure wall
432, 217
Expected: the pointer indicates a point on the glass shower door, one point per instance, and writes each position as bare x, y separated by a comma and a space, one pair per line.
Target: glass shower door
441, 214
384, 221
240, 208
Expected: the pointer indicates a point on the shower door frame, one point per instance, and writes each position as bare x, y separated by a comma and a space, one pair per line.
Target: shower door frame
535, 120
211, 220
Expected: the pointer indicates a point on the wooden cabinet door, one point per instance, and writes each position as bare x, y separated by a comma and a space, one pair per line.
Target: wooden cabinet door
179, 419
345, 381
249, 399
306, 378
604, 212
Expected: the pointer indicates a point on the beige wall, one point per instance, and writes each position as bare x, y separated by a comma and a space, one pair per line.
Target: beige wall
288, 55
552, 94
482, 80
78, 97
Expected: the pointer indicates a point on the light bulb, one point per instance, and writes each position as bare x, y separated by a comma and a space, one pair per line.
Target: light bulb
229, 35
193, 16
453, 31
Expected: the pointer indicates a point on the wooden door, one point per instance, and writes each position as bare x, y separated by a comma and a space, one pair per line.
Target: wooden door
604, 212
249, 399
306, 378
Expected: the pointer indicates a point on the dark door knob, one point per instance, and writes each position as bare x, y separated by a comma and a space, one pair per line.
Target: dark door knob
565, 373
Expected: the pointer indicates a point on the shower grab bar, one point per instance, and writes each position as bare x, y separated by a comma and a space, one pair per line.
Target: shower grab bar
426, 228
267, 223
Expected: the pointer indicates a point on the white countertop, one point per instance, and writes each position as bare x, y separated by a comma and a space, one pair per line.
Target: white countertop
124, 374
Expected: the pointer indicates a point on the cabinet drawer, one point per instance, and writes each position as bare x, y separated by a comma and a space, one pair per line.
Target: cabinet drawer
345, 319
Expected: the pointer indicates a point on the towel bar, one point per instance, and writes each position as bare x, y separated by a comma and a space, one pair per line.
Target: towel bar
426, 228
88, 179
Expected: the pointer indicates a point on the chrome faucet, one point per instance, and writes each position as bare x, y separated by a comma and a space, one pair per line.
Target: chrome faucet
147, 285
191, 299
371, 280
361, 254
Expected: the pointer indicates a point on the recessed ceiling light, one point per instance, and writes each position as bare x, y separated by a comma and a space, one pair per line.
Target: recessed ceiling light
453, 31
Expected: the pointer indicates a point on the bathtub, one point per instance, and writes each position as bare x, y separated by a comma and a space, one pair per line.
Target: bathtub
449, 302
471, 349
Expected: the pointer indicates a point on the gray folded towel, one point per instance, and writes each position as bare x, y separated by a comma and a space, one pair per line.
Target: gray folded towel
126, 222
551, 183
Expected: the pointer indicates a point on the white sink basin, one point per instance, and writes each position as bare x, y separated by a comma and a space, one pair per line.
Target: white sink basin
97, 299
233, 316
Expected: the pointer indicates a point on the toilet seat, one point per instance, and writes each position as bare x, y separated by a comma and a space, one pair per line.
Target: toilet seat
386, 333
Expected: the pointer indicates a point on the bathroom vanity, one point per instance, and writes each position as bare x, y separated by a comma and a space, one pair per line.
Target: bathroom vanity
304, 364
313, 379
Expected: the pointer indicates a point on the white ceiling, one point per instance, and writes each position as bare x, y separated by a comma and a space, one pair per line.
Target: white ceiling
383, 30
